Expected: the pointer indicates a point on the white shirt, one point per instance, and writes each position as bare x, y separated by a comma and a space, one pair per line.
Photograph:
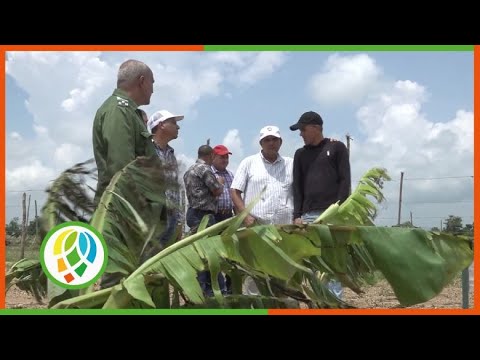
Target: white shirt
276, 204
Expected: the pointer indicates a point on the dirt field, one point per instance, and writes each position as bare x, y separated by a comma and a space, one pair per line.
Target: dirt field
378, 296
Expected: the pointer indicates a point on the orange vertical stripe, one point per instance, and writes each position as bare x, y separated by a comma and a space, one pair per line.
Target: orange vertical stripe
2, 169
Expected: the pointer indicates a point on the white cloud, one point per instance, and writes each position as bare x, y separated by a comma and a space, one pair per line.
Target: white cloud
30, 176
344, 79
247, 68
264, 64
400, 138
64, 90
184, 162
233, 142
66, 155
15, 136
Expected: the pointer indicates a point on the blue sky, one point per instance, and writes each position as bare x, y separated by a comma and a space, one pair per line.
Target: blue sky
406, 111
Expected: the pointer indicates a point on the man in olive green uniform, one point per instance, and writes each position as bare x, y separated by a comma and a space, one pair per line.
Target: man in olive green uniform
119, 133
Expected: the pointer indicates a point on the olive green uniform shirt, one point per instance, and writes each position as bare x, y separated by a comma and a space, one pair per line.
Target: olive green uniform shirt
119, 136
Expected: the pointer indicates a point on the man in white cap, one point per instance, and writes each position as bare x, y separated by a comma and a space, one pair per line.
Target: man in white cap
164, 128
268, 168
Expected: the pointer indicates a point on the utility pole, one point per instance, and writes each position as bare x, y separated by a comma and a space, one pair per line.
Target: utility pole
36, 222
440, 225
348, 142
400, 198
24, 227
411, 219
348, 149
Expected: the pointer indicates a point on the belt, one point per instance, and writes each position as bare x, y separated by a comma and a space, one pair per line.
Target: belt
203, 211
224, 211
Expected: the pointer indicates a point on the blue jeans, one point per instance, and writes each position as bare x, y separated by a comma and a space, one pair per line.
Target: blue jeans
193, 218
334, 286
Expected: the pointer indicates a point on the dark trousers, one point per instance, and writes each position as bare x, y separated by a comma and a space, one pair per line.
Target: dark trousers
220, 217
193, 218
169, 231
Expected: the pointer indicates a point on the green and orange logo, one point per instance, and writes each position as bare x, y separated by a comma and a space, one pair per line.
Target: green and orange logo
73, 255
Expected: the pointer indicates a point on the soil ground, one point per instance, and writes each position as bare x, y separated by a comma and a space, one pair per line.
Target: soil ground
378, 296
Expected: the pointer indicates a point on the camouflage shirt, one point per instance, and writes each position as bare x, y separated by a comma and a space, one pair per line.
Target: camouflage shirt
199, 183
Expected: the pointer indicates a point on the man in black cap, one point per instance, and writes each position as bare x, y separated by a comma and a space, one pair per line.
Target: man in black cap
321, 174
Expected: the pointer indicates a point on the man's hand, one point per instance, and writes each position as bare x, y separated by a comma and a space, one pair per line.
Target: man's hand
249, 221
298, 221
221, 180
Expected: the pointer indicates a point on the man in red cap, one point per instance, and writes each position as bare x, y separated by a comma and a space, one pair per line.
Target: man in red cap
219, 168
225, 204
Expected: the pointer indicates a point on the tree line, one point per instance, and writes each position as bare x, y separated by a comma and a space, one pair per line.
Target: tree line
14, 227
452, 225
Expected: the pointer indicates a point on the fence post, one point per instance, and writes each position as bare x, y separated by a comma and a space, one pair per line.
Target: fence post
465, 287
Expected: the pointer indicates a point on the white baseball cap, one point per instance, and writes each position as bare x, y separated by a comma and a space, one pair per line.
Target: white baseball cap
270, 130
161, 116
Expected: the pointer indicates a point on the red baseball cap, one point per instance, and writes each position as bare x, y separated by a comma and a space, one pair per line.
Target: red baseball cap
221, 150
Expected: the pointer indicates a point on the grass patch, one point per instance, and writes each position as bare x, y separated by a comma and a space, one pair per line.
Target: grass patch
13, 253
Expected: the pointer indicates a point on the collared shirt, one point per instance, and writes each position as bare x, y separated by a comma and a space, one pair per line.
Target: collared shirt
119, 136
225, 200
199, 184
172, 193
276, 204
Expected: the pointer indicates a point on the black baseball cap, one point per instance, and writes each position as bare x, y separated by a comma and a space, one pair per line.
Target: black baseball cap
308, 118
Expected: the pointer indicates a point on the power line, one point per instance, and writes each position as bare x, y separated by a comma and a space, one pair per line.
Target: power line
24, 190
438, 202
440, 178
425, 217
437, 178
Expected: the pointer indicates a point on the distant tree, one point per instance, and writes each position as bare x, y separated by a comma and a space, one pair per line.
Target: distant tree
468, 229
14, 228
32, 227
453, 225
435, 229
406, 224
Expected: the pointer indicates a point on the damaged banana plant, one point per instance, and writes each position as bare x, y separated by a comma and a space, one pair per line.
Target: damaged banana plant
290, 264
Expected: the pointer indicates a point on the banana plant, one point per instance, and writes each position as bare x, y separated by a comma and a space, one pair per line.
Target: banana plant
27, 275
290, 264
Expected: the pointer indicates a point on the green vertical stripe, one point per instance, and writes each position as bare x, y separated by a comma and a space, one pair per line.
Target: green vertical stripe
339, 47
134, 312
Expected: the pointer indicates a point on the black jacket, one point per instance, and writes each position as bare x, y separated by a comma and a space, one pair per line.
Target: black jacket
321, 176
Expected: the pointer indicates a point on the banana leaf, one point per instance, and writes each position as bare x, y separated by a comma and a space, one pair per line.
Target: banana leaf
27, 275
285, 261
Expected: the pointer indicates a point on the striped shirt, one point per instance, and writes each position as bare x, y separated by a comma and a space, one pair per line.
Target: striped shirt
167, 157
276, 204
224, 200
199, 183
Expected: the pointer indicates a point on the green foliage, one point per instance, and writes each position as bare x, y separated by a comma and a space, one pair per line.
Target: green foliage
290, 264
27, 275
14, 228
69, 197
284, 260
453, 225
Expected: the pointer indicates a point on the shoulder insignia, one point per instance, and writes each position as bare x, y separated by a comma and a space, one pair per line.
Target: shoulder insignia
122, 102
